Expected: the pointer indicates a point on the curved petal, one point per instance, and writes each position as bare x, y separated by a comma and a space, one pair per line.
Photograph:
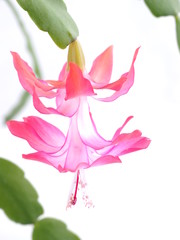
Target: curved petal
143, 143
28, 79
46, 131
87, 128
61, 83
45, 158
76, 84
108, 159
66, 107
129, 142
118, 131
55, 161
40, 107
77, 151
101, 70
122, 85
63, 73
26, 131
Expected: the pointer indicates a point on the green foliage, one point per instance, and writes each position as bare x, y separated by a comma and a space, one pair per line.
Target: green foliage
163, 7
18, 198
51, 16
166, 8
178, 30
52, 229
16, 109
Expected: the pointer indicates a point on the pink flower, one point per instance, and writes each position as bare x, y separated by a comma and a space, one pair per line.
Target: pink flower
74, 83
83, 146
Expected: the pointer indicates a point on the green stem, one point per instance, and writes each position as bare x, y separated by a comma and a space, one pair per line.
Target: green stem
27, 37
23, 99
36, 67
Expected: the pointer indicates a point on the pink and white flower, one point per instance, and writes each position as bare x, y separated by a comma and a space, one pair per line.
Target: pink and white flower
83, 147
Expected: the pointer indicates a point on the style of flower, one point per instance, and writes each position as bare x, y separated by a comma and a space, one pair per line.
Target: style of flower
83, 146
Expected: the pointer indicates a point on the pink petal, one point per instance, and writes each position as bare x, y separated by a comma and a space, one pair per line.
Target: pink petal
63, 73
61, 83
77, 151
76, 84
102, 68
87, 128
46, 131
118, 131
122, 85
33, 136
66, 107
143, 143
70, 157
28, 79
126, 137
41, 107
108, 159
55, 161
129, 142
45, 158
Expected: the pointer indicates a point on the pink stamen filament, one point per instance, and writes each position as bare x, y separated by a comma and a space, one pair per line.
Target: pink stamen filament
76, 188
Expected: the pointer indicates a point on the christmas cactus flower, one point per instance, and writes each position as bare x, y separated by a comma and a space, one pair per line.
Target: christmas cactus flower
83, 146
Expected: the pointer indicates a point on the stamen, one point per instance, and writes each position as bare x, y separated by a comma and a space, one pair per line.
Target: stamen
79, 183
83, 184
73, 193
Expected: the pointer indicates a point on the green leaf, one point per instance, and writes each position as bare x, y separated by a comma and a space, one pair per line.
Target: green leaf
52, 229
18, 198
163, 7
51, 16
178, 30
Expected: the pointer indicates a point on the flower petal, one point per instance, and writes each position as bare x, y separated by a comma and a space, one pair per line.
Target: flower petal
55, 161
108, 159
28, 79
118, 131
76, 84
129, 142
61, 83
122, 85
39, 139
40, 107
46, 131
101, 70
143, 143
46, 158
87, 128
66, 107
63, 73
77, 151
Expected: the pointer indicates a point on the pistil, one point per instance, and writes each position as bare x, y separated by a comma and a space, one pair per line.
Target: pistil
74, 200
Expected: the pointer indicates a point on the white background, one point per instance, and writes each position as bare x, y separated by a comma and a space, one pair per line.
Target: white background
138, 199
